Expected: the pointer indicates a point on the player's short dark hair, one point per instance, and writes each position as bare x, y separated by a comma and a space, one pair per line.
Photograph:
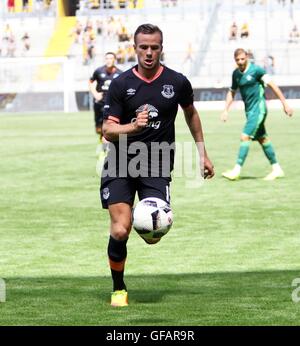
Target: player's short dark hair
148, 29
239, 51
111, 53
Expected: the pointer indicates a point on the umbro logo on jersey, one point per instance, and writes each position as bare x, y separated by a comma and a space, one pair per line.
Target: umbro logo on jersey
168, 91
131, 92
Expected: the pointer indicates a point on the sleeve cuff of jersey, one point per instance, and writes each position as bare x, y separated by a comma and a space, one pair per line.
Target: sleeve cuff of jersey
266, 78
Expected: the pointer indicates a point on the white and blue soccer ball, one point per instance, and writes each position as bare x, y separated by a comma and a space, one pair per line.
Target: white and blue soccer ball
152, 218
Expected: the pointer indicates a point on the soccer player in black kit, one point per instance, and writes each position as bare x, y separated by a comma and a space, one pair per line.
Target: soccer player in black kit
98, 85
142, 103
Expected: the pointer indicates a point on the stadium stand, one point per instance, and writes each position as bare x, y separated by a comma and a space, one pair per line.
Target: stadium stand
198, 39
269, 36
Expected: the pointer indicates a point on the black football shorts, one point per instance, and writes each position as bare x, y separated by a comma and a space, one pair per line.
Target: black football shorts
123, 190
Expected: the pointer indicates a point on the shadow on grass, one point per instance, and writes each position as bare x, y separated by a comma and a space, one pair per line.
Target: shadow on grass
245, 178
251, 178
233, 298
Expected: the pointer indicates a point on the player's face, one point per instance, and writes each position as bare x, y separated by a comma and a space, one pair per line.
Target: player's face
109, 60
148, 48
242, 61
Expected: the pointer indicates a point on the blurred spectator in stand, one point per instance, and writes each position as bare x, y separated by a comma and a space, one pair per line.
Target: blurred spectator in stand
123, 34
77, 32
11, 5
25, 5
99, 27
130, 53
88, 25
233, 31
47, 4
121, 55
134, 3
26, 43
294, 35
7, 32
122, 3
189, 56
94, 4
107, 4
111, 27
11, 46
244, 30
85, 54
269, 64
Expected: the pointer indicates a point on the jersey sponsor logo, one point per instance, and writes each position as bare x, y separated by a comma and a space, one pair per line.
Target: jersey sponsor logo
103, 75
249, 78
106, 85
131, 92
152, 113
168, 91
106, 107
105, 193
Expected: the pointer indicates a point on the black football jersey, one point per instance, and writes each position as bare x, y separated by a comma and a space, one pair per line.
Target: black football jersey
104, 78
130, 92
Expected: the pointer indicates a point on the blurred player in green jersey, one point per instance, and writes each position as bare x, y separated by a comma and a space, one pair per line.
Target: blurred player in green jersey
251, 80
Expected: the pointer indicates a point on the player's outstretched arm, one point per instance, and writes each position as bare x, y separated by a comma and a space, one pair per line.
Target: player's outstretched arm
228, 101
287, 109
194, 123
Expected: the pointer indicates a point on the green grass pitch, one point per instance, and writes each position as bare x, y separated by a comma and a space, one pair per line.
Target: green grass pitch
229, 259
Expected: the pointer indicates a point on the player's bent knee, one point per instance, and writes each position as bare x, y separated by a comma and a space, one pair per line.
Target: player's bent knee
119, 231
245, 138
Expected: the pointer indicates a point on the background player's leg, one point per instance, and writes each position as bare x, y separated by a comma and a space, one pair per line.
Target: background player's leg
269, 151
98, 117
102, 145
234, 174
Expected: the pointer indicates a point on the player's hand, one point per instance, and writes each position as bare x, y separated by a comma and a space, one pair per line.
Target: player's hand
288, 110
224, 116
208, 169
99, 96
141, 119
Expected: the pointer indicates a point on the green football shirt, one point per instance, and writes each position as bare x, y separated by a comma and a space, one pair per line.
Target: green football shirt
251, 87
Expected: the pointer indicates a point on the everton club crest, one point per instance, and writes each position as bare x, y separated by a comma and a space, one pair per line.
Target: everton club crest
168, 91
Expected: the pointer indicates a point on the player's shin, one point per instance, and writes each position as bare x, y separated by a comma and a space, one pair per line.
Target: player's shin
269, 152
243, 152
117, 253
